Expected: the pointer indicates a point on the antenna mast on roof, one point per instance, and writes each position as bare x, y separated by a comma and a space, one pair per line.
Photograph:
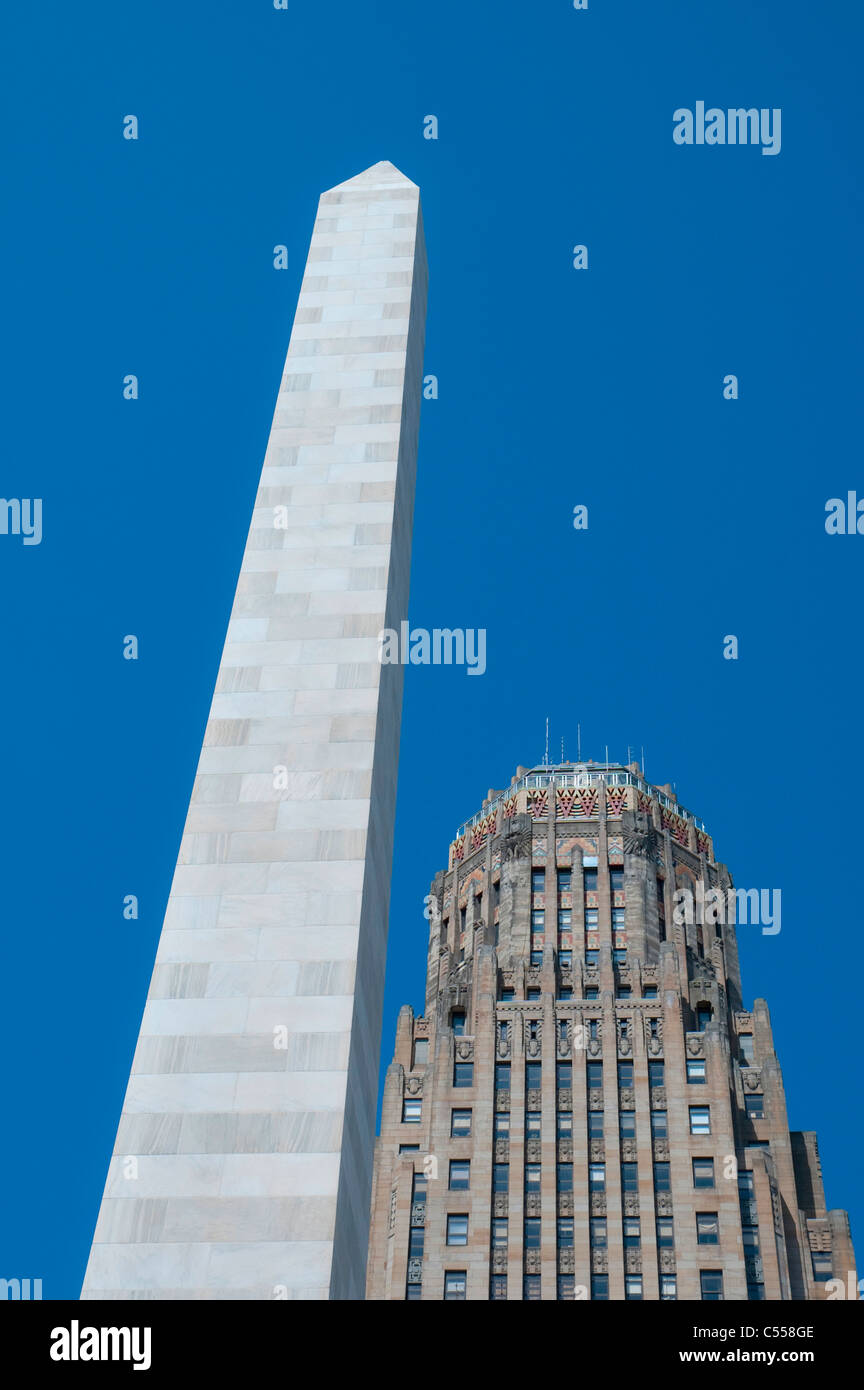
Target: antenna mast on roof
578, 743
546, 755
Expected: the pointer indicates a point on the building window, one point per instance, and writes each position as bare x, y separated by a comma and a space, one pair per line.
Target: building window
565, 960
533, 1124
595, 1076
454, 1285
532, 1233
538, 880
596, 1177
565, 993
566, 1288
700, 1119
661, 1178
564, 1124
564, 1177
632, 1232
421, 1052
619, 957
668, 1288
534, 993
501, 1124
595, 1124
531, 1288
409, 1148
415, 1241
498, 1288
599, 1238
656, 1074
564, 1075
507, 996
633, 1287
533, 1075
755, 1106
649, 992
623, 992
499, 1233
457, 1229
565, 1233
418, 1189
463, 1075
593, 1027
659, 1127
707, 1228
502, 1076
600, 1287
460, 1124
629, 1177
538, 922
500, 1177
457, 1022
703, 1172
413, 1293
625, 1075
565, 880
460, 1174
711, 1281
592, 958
532, 1177
665, 1233
591, 991
822, 1265
696, 1071
745, 1049
536, 961
411, 1111
703, 1017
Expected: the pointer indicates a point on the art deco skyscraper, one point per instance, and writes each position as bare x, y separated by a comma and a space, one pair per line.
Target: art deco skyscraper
587, 1108
243, 1161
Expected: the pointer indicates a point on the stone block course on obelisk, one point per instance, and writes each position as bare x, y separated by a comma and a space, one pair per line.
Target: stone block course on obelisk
249, 1117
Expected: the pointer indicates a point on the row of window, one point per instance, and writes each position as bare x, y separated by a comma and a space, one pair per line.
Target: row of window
456, 1280
460, 1175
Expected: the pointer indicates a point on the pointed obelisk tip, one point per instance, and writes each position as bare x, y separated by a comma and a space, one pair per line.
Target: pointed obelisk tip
380, 175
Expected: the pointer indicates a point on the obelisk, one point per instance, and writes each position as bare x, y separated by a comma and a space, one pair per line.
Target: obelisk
242, 1165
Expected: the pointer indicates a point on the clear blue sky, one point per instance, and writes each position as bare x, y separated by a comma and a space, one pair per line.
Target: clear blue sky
556, 387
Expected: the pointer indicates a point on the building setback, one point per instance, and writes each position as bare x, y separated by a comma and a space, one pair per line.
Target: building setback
587, 1109
243, 1161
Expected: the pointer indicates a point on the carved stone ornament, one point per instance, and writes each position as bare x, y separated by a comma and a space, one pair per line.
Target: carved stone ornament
499, 1204
631, 1203
465, 1050
752, 1079
595, 1048
633, 1261
414, 1086
625, 1046
664, 1203
696, 1044
667, 1261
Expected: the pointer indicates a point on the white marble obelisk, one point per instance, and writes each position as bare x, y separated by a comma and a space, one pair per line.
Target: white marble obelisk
242, 1165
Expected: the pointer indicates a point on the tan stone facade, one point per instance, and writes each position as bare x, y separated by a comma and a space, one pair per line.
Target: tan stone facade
587, 1109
